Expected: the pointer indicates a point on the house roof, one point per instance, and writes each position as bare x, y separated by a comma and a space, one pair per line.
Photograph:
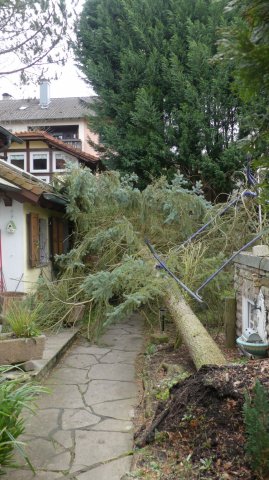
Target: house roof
26, 187
8, 185
87, 158
15, 176
58, 109
9, 135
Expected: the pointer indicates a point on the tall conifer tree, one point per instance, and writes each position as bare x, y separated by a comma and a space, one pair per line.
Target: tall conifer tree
246, 45
162, 105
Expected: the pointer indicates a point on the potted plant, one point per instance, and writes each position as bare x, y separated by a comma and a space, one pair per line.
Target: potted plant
23, 342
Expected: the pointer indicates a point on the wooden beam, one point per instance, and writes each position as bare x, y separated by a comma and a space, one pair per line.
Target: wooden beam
230, 321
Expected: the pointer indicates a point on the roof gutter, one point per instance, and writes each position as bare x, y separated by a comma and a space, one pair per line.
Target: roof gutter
6, 145
9, 139
56, 199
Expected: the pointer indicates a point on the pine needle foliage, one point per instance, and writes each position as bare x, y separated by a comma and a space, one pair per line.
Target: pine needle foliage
123, 290
256, 418
106, 269
161, 105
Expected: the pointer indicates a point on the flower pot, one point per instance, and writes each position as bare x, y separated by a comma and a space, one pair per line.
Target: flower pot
259, 350
18, 350
8, 297
75, 315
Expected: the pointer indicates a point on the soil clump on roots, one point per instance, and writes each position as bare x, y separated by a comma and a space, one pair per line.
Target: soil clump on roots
198, 433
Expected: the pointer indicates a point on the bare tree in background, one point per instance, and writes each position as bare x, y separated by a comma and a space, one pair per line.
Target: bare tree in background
34, 35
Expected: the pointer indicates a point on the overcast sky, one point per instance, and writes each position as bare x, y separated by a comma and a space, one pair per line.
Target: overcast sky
70, 83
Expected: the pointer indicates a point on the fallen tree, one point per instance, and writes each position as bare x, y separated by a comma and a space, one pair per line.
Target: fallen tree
202, 348
113, 273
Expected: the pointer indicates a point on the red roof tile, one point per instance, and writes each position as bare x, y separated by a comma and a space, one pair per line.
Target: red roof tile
41, 135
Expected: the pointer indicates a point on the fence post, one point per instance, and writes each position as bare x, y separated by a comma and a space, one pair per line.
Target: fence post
230, 321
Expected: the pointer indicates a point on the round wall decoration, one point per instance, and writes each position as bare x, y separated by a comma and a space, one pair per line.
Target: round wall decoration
11, 227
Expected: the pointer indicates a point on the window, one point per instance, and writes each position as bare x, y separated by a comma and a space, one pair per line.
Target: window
59, 162
43, 241
39, 162
250, 308
38, 240
57, 236
248, 317
41, 234
17, 159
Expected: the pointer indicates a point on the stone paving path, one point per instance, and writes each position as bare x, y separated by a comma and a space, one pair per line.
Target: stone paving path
83, 429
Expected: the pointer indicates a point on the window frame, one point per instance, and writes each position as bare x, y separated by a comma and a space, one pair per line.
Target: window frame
247, 313
55, 161
36, 257
44, 241
9, 155
32, 170
67, 158
56, 236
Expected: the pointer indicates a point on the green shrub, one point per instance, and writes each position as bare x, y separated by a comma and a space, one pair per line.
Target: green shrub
256, 418
22, 319
14, 397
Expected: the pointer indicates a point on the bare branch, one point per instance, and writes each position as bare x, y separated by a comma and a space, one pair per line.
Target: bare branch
36, 61
27, 40
34, 33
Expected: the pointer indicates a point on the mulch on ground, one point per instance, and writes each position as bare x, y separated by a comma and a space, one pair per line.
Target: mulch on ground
198, 432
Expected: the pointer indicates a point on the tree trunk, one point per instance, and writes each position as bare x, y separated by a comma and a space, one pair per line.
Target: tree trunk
202, 348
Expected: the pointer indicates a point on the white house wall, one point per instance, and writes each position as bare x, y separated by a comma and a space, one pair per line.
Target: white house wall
12, 245
93, 137
18, 275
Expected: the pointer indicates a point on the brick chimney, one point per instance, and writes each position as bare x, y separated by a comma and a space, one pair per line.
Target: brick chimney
44, 93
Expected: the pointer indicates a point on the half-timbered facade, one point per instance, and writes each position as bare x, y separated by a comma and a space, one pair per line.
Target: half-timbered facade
62, 118
43, 155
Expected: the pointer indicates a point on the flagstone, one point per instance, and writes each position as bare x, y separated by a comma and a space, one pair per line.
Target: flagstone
112, 470
62, 396
28, 475
130, 342
79, 360
104, 390
119, 356
83, 428
113, 425
68, 376
113, 372
43, 422
78, 418
119, 409
64, 438
95, 447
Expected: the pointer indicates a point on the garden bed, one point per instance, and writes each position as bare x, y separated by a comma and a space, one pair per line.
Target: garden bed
15, 350
201, 433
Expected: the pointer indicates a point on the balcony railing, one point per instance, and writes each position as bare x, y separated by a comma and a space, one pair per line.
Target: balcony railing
73, 142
